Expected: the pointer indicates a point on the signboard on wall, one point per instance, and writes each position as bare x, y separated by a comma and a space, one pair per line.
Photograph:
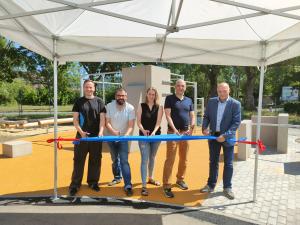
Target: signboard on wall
289, 94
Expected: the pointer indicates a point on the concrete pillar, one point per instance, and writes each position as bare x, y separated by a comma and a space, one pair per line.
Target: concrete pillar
136, 80
282, 134
244, 130
268, 134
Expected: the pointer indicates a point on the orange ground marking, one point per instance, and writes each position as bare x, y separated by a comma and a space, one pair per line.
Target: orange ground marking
33, 175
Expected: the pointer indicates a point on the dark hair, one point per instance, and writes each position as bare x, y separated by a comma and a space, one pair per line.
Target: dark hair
119, 90
91, 81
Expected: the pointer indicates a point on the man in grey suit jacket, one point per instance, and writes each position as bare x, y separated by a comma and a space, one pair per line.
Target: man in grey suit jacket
222, 117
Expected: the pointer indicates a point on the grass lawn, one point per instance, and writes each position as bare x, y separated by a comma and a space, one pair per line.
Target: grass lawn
65, 109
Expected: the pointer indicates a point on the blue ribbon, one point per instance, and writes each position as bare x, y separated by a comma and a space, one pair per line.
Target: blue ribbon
155, 138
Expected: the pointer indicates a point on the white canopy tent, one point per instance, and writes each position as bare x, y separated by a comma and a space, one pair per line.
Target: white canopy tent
220, 32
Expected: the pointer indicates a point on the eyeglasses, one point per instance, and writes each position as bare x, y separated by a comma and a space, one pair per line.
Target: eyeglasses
121, 96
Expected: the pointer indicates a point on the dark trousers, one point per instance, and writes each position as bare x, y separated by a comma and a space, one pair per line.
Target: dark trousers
214, 156
94, 166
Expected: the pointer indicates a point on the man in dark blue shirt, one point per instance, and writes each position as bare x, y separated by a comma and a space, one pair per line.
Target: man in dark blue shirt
181, 121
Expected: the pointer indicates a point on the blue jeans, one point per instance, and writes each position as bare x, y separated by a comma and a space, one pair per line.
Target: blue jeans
214, 156
119, 156
148, 153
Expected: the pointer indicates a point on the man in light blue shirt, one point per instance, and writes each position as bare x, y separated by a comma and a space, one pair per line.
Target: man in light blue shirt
223, 117
220, 112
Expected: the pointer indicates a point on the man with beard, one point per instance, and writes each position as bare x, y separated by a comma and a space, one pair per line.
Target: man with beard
89, 120
119, 121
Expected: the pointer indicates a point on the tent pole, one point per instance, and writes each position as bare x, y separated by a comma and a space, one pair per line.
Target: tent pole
173, 11
258, 127
55, 116
195, 99
81, 85
103, 88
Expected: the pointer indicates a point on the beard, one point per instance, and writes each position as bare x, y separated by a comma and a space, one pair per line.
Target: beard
120, 101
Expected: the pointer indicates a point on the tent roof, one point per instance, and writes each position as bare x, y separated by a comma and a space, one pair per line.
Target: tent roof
223, 32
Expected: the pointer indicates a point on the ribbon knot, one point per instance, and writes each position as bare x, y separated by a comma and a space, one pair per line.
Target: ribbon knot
261, 146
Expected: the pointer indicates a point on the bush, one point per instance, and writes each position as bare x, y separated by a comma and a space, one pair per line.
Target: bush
5, 97
292, 107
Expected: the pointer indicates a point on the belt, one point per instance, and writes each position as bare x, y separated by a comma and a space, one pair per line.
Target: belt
216, 134
180, 130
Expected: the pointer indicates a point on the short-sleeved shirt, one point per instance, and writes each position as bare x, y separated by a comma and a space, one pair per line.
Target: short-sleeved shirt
180, 111
120, 118
89, 114
149, 118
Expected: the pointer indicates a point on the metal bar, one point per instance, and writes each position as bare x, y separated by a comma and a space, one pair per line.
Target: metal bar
106, 82
277, 125
181, 76
103, 88
195, 100
258, 127
234, 18
55, 117
116, 15
202, 106
178, 13
106, 73
281, 40
171, 14
58, 9
256, 8
29, 33
81, 86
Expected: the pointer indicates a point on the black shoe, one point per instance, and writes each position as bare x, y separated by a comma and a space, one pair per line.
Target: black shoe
228, 193
129, 192
168, 193
182, 185
94, 187
72, 191
144, 191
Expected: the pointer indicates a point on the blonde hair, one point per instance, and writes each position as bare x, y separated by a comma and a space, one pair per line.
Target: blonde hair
156, 99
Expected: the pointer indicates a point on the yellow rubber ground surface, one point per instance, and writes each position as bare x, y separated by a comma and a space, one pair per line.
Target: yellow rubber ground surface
33, 175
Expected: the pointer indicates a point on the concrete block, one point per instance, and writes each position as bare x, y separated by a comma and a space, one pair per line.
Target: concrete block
136, 80
282, 134
244, 131
14, 149
268, 134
